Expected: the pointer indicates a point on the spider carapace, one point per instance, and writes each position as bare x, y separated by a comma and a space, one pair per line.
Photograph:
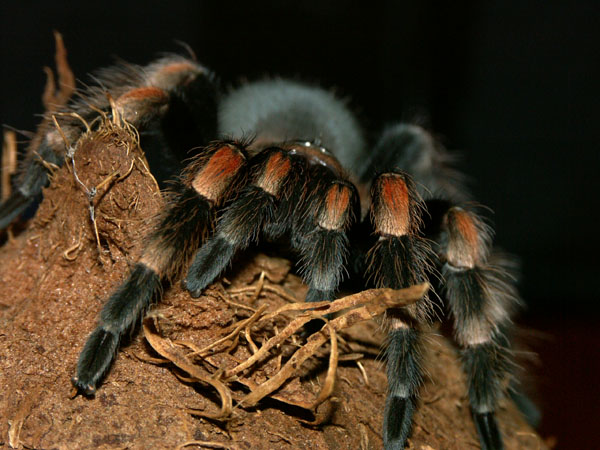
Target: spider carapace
279, 160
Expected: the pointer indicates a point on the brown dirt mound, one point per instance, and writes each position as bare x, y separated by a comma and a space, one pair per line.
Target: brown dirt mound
56, 276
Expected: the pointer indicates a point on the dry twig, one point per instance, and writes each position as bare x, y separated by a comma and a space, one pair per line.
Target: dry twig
359, 307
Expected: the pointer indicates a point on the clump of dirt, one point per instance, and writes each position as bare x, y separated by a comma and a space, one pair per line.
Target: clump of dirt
56, 275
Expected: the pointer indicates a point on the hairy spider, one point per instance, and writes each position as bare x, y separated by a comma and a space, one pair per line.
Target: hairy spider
391, 213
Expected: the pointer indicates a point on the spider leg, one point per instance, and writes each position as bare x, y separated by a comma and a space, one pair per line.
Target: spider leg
206, 183
137, 106
480, 297
243, 220
414, 150
160, 100
319, 234
34, 177
315, 211
399, 259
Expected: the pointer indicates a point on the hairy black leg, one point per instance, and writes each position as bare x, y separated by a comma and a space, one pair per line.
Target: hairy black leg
316, 207
398, 260
330, 207
480, 298
13, 207
34, 172
32, 180
412, 149
485, 365
121, 311
189, 121
186, 222
170, 98
51, 152
243, 219
141, 107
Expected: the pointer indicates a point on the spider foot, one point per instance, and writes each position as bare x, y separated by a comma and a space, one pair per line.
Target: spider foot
404, 361
207, 265
398, 421
487, 428
95, 359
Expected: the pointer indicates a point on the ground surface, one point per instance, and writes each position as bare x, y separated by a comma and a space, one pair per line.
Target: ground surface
54, 279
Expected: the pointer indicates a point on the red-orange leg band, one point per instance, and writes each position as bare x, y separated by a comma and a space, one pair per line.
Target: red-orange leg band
276, 170
336, 207
214, 178
464, 240
391, 206
174, 74
140, 103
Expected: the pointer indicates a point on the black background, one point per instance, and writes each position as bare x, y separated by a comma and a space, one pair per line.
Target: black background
512, 86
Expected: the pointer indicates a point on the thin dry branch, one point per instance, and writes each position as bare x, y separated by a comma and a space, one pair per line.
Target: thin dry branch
374, 301
9, 161
209, 444
53, 98
177, 357
358, 307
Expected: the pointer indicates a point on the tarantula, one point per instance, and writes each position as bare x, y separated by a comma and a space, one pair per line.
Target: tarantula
392, 213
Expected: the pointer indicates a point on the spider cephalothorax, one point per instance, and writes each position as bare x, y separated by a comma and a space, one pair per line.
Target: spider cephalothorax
307, 179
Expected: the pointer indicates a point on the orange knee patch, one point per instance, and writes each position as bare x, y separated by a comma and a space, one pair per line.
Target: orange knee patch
276, 169
173, 74
144, 93
178, 67
464, 240
141, 102
391, 205
336, 207
216, 175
